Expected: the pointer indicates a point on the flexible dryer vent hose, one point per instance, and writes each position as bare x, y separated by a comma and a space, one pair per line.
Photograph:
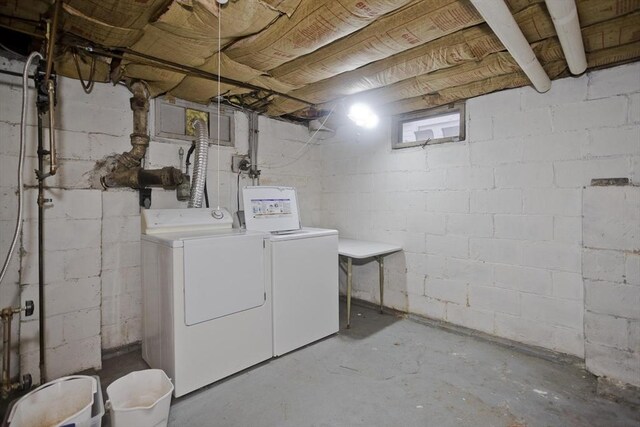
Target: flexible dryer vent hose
199, 164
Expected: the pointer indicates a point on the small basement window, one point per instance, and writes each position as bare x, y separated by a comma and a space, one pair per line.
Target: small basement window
433, 126
172, 118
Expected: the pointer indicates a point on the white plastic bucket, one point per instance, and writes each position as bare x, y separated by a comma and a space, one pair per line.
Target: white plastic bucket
67, 400
141, 399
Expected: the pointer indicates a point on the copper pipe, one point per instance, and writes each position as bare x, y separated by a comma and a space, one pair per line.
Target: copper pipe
6, 314
53, 157
53, 31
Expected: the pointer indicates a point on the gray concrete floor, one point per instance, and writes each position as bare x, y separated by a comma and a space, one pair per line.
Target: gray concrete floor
389, 371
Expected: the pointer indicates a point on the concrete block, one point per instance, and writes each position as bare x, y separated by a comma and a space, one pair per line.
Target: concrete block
524, 330
81, 263
614, 299
496, 250
553, 311
496, 201
426, 180
415, 284
478, 225
590, 114
552, 255
567, 229
81, 324
568, 341
102, 145
494, 104
612, 363
612, 218
434, 266
448, 155
614, 81
72, 295
567, 90
391, 181
634, 108
524, 175
120, 202
524, 227
522, 123
118, 282
427, 307
74, 357
121, 229
424, 222
469, 178
479, 128
632, 268
30, 334
496, 151
456, 246
446, 290
606, 330
54, 267
554, 147
448, 201
464, 270
523, 279
494, 299
119, 255
598, 264
564, 202
61, 234
612, 141
568, 285
470, 317
575, 174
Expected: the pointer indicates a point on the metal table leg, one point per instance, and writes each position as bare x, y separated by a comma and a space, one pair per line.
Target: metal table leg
349, 284
381, 274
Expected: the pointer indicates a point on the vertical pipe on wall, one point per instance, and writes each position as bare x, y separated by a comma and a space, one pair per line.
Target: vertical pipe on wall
41, 202
254, 173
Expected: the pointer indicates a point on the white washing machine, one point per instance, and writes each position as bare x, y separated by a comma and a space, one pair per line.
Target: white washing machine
206, 289
304, 268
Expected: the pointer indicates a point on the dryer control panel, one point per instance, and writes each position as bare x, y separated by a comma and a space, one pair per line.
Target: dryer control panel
156, 221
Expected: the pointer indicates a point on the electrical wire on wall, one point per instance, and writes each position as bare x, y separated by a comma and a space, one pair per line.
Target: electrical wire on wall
305, 145
23, 131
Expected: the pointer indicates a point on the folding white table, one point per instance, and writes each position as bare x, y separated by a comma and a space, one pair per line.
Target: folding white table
350, 249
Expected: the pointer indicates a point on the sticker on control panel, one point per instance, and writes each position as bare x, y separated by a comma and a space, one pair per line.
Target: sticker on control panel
270, 208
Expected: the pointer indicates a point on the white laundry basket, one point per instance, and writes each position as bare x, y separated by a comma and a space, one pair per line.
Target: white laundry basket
141, 399
67, 400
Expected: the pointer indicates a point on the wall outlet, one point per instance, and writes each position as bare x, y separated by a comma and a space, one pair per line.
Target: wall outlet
240, 159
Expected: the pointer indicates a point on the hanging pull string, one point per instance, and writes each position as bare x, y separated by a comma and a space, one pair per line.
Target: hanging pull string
218, 97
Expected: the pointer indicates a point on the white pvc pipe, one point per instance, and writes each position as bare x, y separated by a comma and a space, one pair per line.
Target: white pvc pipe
497, 15
565, 18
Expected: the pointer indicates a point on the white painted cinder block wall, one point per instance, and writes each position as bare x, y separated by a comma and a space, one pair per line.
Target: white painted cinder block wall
92, 258
492, 227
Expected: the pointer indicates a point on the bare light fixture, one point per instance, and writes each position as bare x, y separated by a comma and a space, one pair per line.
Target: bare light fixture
363, 116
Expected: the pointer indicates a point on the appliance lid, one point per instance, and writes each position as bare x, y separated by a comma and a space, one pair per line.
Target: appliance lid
270, 208
303, 233
160, 221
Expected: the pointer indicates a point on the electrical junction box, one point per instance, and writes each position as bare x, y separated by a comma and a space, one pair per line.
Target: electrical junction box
237, 159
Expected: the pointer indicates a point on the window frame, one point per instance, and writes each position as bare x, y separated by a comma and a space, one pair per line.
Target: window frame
400, 119
211, 109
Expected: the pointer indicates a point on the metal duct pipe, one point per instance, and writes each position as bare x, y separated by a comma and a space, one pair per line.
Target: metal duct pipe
565, 18
199, 163
128, 172
497, 15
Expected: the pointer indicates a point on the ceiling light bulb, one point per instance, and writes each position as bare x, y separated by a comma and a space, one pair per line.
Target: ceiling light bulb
363, 116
